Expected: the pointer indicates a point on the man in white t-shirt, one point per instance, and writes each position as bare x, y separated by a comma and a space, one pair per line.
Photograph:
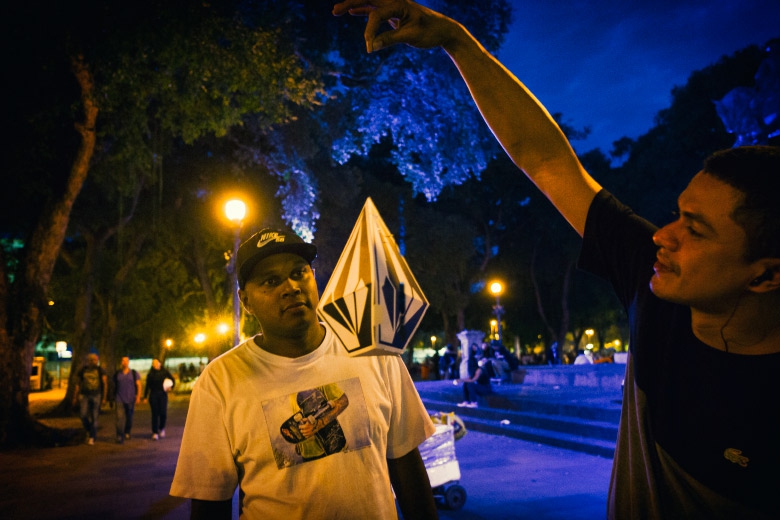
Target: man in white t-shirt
303, 429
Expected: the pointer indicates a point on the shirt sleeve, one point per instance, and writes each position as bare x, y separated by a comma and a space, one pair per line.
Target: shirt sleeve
618, 246
410, 423
206, 469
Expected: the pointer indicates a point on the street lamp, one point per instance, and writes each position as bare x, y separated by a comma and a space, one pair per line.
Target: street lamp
496, 288
167, 346
235, 211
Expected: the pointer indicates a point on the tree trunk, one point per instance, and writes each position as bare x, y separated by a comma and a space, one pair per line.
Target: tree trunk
82, 318
199, 262
28, 298
538, 295
563, 327
112, 308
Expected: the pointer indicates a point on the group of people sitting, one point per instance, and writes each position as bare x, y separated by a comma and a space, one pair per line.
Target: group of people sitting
486, 363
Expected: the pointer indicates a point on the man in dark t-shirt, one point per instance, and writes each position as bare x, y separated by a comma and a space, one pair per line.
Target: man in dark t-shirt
90, 393
127, 383
699, 417
698, 432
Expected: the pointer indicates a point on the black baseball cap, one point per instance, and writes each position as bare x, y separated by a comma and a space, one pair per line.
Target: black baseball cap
269, 242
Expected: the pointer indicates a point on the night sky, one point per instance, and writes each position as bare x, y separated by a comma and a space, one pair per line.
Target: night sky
611, 65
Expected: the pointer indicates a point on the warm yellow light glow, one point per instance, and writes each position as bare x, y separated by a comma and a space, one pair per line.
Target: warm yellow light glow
235, 210
199, 337
496, 288
223, 328
589, 332
168, 343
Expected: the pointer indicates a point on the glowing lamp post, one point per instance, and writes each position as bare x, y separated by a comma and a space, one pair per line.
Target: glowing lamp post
199, 338
496, 289
235, 211
165, 350
589, 333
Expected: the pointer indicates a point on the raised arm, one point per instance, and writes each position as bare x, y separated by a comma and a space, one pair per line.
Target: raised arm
518, 120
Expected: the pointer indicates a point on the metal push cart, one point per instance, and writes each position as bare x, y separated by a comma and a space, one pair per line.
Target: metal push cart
438, 454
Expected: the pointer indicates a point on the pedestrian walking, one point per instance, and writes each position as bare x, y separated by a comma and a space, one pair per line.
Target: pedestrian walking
90, 393
159, 382
127, 385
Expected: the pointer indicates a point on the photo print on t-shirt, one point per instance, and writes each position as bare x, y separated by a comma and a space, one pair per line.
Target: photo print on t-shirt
317, 422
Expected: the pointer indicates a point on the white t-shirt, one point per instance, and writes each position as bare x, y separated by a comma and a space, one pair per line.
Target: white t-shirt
241, 417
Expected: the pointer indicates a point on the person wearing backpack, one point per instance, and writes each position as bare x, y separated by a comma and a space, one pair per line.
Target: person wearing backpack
127, 385
91, 393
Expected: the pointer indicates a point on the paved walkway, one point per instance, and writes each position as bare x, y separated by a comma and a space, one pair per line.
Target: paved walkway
131, 480
106, 481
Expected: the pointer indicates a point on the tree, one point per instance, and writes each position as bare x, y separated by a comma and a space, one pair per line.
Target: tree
660, 163
439, 136
183, 74
23, 301
751, 113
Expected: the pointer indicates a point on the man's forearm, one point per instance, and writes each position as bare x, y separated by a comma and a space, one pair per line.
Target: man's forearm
523, 126
412, 487
211, 509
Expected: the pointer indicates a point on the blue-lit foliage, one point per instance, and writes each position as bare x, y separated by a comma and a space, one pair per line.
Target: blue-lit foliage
298, 194
417, 98
752, 114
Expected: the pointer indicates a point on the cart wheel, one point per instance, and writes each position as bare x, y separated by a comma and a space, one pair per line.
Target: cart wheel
455, 496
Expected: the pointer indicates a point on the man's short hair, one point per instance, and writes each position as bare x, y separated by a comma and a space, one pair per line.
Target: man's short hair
754, 171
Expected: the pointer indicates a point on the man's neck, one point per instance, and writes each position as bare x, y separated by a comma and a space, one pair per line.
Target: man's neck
292, 346
751, 327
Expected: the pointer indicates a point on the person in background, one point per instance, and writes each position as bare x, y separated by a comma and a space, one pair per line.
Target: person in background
156, 393
449, 363
700, 421
478, 381
91, 393
584, 357
127, 387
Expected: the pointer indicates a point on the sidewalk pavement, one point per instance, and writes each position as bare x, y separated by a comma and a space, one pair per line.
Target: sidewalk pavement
504, 477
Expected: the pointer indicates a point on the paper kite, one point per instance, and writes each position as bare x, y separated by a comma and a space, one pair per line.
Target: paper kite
372, 301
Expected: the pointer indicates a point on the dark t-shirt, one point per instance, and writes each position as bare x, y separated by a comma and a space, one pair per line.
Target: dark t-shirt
699, 434
125, 386
91, 380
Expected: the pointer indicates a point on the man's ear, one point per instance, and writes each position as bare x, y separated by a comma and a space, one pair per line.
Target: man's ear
245, 301
769, 279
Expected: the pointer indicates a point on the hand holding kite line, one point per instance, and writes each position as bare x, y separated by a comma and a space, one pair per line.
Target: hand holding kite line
413, 24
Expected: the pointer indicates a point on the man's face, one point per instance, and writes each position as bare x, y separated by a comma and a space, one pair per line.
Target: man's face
701, 256
156, 364
92, 360
281, 293
125, 362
